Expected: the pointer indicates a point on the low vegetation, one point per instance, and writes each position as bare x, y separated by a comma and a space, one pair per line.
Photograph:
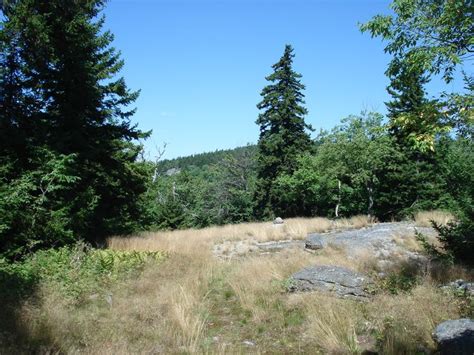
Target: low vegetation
166, 292
426, 218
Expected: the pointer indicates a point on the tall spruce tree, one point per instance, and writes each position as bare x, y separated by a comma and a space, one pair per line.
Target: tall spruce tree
414, 181
408, 96
63, 102
283, 133
406, 89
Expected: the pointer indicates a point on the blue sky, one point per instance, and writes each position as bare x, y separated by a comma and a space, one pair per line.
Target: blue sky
201, 64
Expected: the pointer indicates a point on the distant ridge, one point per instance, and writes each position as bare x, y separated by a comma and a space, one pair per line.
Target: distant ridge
200, 160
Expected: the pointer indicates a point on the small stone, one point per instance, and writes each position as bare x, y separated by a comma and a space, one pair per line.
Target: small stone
278, 220
314, 242
455, 337
248, 343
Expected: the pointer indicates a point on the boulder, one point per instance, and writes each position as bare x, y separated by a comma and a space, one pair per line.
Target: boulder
455, 337
314, 241
278, 220
333, 279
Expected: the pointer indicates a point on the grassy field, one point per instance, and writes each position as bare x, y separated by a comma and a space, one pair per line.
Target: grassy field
193, 302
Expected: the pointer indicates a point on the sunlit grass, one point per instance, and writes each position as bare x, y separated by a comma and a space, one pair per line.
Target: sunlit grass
193, 302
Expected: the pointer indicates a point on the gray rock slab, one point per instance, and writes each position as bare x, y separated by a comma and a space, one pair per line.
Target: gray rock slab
377, 239
334, 279
279, 245
455, 337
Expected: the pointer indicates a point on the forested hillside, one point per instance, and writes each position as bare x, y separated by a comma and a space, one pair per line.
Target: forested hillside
201, 160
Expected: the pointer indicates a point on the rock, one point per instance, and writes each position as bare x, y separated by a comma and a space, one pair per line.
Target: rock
314, 241
335, 279
248, 343
279, 245
109, 299
172, 171
278, 220
455, 337
376, 240
460, 287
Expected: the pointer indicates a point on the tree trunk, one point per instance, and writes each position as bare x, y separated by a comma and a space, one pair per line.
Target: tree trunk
371, 201
338, 198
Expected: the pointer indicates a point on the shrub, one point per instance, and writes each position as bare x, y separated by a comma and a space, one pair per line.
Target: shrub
74, 271
402, 280
456, 240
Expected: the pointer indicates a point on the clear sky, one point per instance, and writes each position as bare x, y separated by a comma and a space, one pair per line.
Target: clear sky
201, 64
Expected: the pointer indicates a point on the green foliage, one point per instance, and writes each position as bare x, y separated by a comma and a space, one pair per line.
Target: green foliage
427, 37
357, 168
68, 161
283, 135
456, 239
344, 174
459, 109
34, 214
414, 120
203, 160
456, 167
407, 91
198, 196
74, 271
401, 281
436, 35
457, 170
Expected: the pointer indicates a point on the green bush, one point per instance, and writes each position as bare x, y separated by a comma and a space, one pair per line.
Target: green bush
456, 239
401, 281
75, 271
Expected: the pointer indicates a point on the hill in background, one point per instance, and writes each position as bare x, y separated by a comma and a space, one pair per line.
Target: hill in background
202, 160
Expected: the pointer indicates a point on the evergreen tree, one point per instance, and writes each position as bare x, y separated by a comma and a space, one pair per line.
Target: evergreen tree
408, 94
61, 97
413, 118
283, 135
411, 181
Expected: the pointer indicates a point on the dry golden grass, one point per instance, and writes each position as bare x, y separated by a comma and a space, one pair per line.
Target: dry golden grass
331, 323
164, 310
196, 303
403, 323
406, 321
409, 242
424, 218
191, 241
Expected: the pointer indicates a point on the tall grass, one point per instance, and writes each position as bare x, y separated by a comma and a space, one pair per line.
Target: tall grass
192, 241
195, 303
425, 218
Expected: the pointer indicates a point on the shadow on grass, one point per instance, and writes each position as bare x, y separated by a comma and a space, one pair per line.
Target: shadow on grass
15, 289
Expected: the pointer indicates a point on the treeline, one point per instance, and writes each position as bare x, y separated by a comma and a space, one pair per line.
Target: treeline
69, 161
356, 168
